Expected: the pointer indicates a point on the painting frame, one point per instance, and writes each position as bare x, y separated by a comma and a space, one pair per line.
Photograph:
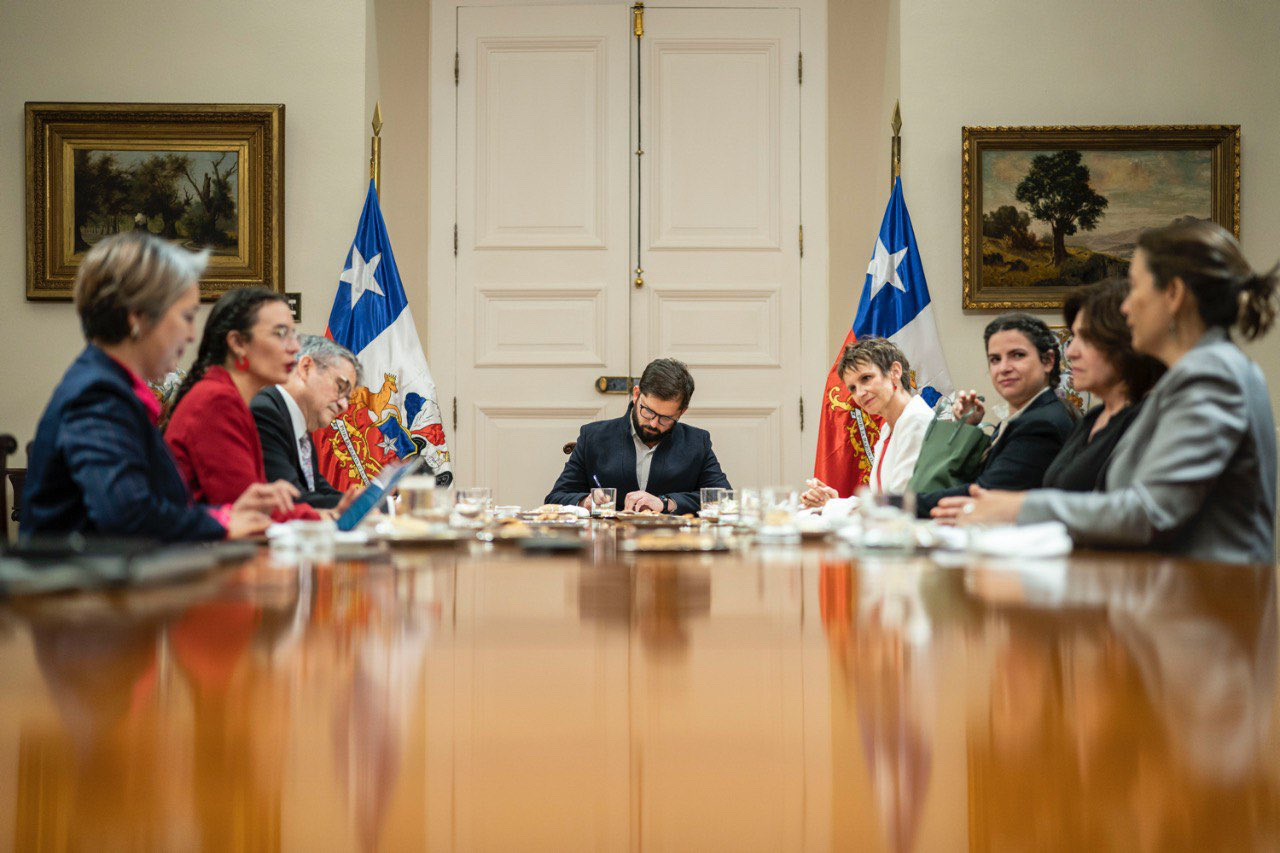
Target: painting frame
254, 133
1220, 141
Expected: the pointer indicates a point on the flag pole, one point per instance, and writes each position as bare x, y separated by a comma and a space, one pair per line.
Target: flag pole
375, 149
895, 146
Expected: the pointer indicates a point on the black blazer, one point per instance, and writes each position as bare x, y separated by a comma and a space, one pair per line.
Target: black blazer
1018, 461
99, 466
280, 450
683, 464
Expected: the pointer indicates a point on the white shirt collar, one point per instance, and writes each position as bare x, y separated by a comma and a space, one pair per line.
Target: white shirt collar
295, 413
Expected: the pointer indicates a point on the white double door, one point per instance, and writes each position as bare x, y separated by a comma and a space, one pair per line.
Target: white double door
620, 200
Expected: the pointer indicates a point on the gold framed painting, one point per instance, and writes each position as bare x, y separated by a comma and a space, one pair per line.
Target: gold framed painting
204, 175
1047, 209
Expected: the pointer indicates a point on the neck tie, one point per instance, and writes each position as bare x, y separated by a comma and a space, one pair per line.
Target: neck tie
304, 456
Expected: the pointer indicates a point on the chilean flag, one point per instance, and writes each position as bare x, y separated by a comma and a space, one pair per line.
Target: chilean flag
395, 414
895, 304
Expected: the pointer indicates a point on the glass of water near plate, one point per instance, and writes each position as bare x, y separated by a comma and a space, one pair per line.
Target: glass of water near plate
749, 507
604, 502
730, 506
888, 521
778, 508
473, 507
422, 499
710, 499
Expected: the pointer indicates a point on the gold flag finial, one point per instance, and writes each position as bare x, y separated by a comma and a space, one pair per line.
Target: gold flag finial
895, 146
375, 149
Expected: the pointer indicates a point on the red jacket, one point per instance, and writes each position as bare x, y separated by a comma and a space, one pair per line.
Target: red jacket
214, 440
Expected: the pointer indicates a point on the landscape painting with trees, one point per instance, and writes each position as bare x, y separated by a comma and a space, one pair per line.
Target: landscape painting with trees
1067, 218
1048, 209
187, 196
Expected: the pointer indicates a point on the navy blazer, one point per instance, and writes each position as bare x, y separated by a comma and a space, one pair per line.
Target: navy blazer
1019, 459
280, 450
99, 466
683, 464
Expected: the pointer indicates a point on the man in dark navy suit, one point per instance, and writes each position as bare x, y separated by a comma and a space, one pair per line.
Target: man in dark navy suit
315, 393
655, 462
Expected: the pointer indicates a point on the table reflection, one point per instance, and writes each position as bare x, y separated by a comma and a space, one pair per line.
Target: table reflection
481, 699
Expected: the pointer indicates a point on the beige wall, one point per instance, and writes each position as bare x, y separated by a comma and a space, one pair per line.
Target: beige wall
308, 55
992, 62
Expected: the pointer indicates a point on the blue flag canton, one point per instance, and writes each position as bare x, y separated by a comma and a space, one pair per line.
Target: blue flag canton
889, 309
370, 273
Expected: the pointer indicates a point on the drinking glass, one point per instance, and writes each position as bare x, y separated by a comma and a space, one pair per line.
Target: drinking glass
888, 521
474, 506
604, 502
422, 499
778, 508
711, 503
730, 506
749, 501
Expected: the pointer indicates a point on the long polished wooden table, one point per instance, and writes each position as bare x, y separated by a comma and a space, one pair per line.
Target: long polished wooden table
478, 698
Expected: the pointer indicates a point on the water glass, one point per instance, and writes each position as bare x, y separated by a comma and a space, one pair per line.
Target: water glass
423, 499
711, 503
888, 521
749, 503
778, 508
474, 506
730, 506
604, 502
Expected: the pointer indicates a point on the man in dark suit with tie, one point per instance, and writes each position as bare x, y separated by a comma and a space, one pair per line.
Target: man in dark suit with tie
655, 462
316, 392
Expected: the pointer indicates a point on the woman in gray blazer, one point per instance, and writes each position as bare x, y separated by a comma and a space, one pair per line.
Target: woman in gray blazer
1195, 475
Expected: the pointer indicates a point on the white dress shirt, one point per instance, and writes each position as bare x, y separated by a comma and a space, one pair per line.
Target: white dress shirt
301, 438
644, 459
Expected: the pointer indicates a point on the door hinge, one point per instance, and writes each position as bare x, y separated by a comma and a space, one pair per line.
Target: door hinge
457, 68
802, 414
801, 241
455, 240
799, 69
455, 414
637, 20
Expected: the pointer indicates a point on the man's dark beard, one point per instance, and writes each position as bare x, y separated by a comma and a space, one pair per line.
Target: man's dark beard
646, 433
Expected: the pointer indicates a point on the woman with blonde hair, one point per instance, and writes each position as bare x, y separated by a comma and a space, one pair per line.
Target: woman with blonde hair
99, 465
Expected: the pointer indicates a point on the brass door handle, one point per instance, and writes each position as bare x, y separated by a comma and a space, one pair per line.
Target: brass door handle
616, 384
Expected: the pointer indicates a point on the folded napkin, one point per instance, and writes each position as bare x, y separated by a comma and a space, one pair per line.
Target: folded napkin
1048, 539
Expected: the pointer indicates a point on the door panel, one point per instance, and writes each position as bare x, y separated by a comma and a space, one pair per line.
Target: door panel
543, 225
719, 227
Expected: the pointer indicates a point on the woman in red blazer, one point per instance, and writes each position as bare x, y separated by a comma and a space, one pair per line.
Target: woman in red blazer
248, 343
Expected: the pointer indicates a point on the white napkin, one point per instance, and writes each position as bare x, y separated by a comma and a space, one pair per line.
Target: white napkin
1048, 539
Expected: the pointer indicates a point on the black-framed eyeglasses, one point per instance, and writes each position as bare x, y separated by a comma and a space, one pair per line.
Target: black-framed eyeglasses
649, 414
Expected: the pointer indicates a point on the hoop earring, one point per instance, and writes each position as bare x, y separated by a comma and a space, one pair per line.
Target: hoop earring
241, 363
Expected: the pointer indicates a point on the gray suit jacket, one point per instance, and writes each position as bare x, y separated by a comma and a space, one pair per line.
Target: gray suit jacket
1194, 476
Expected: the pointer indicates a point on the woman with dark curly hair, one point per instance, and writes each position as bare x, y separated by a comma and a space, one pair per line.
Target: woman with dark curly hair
1195, 475
1104, 364
248, 343
1022, 357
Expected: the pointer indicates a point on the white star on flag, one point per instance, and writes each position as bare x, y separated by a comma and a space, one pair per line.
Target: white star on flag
883, 268
360, 275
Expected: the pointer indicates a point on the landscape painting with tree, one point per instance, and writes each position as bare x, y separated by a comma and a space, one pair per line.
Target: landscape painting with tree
187, 196
206, 176
1041, 220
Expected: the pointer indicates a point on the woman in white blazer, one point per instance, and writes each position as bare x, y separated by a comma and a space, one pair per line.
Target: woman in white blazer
876, 372
1195, 475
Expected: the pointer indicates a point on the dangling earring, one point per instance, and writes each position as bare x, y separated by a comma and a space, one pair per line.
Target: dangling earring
242, 363
133, 331
1173, 328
